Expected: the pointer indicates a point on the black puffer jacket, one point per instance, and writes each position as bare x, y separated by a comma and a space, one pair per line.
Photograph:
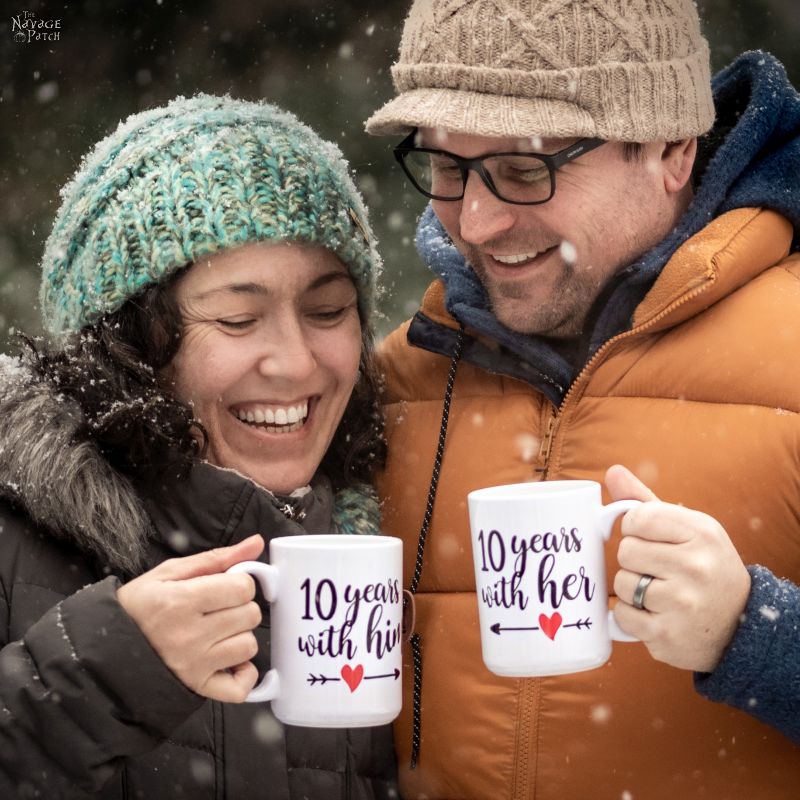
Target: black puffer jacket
87, 708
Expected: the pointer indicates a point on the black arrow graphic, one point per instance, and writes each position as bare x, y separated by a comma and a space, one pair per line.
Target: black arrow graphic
581, 623
395, 675
322, 679
496, 628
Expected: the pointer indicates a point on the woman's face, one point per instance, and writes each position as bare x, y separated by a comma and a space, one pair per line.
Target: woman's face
269, 357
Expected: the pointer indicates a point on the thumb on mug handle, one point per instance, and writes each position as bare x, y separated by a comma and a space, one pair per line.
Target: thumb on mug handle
267, 577
608, 515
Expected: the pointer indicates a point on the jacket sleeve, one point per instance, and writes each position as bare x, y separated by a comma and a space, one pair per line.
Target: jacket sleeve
79, 692
760, 671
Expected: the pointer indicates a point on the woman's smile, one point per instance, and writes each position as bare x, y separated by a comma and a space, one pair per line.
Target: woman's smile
274, 418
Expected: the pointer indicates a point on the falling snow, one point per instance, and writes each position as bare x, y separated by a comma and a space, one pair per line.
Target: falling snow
568, 252
178, 541
647, 472
528, 447
46, 92
202, 770
396, 220
770, 613
64, 634
449, 547
266, 728
12, 371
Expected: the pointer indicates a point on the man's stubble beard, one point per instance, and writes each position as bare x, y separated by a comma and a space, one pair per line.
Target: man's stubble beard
561, 315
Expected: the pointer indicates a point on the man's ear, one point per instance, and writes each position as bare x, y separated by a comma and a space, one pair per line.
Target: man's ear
677, 160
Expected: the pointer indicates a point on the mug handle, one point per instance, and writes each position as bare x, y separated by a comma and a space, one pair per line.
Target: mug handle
267, 577
608, 515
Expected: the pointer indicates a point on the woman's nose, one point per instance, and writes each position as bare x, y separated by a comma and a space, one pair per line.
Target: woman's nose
288, 357
483, 216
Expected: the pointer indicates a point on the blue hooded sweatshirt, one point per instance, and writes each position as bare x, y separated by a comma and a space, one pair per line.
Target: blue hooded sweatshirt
751, 158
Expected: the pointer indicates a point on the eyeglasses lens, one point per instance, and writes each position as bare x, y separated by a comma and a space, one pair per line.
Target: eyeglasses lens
518, 178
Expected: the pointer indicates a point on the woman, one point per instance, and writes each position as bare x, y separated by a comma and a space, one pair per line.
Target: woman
208, 284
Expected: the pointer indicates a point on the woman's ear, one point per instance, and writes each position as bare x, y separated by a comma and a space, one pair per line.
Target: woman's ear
677, 161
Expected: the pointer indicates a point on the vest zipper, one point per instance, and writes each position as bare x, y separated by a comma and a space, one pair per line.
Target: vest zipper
552, 426
524, 779
527, 744
547, 442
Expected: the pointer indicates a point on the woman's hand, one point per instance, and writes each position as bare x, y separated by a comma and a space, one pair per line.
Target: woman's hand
700, 586
200, 620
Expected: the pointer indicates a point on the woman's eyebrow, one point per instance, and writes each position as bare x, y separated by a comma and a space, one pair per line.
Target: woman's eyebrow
253, 288
234, 288
329, 277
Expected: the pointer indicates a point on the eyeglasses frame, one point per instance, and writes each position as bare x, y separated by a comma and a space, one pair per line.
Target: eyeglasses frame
553, 162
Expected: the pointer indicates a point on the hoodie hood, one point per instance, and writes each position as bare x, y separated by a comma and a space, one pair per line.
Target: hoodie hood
752, 159
64, 484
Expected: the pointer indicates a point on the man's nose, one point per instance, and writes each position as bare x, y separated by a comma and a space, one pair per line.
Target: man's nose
483, 215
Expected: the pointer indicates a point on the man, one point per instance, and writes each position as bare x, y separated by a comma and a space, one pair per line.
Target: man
617, 283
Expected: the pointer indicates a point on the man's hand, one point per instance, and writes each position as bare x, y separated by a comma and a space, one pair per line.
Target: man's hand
701, 585
200, 620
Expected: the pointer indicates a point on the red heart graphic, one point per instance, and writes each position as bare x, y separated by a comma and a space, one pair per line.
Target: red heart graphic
550, 625
352, 677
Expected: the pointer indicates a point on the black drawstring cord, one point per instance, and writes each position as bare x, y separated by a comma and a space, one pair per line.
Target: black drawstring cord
416, 643
416, 654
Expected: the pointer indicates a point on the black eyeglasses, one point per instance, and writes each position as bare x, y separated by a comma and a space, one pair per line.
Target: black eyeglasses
525, 179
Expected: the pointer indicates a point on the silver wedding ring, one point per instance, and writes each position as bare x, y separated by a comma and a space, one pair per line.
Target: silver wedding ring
641, 588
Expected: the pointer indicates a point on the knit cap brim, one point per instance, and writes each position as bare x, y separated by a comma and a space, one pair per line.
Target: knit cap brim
478, 114
570, 105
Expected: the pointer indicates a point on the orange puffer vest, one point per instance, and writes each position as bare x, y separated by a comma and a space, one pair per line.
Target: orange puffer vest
701, 399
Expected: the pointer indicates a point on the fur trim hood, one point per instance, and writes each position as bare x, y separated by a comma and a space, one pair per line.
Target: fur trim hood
67, 486
64, 485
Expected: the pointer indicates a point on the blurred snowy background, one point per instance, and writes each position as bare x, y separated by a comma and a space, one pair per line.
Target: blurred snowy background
326, 61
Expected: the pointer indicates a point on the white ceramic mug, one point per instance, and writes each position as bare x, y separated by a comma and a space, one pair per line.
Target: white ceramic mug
541, 578
336, 605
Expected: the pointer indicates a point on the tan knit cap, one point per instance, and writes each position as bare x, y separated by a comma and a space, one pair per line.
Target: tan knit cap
624, 70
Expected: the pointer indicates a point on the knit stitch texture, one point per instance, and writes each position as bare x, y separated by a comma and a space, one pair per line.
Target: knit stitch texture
623, 70
200, 175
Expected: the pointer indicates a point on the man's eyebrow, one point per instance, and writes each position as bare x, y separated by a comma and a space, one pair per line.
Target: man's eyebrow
258, 289
522, 146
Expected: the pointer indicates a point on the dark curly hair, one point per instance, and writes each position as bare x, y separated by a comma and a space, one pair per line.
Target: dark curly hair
112, 369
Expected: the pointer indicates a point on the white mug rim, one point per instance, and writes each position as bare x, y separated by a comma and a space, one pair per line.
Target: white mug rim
334, 541
518, 491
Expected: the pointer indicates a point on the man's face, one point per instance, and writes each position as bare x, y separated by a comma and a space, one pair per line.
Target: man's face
544, 265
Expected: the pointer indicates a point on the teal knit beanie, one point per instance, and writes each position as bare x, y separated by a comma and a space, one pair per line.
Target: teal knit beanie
200, 175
